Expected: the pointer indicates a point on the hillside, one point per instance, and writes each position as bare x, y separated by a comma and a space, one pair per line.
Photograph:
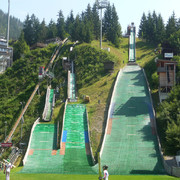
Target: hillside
15, 26
16, 85
18, 82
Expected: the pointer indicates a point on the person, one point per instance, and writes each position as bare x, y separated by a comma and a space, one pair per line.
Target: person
7, 169
106, 174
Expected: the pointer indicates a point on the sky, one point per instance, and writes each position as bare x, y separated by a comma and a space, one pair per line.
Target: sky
128, 10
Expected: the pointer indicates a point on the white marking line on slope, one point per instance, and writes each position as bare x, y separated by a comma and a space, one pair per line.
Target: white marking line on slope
131, 134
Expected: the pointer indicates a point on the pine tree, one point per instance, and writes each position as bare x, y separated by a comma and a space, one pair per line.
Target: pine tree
107, 22
116, 28
42, 32
28, 30
69, 23
160, 29
171, 26
76, 29
143, 27
150, 28
61, 25
52, 30
20, 47
96, 21
36, 29
31, 29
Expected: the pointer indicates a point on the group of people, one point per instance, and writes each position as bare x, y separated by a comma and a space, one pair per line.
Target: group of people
6, 168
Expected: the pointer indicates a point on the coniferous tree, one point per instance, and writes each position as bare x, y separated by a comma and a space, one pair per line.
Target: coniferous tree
116, 28
28, 30
160, 29
143, 27
36, 29
31, 29
42, 32
20, 47
150, 28
61, 25
96, 21
76, 29
52, 30
107, 22
154, 24
171, 26
69, 23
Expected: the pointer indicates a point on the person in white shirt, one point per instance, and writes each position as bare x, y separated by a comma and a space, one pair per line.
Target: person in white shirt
7, 169
106, 174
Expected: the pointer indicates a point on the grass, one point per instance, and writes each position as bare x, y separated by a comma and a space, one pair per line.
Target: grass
16, 176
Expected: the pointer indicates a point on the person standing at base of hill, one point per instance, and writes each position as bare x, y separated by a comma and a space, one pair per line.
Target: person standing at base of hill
7, 169
106, 174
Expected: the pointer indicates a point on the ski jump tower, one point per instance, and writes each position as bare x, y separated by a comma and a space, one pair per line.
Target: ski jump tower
131, 31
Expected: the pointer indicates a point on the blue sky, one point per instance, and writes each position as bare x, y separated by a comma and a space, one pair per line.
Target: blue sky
128, 10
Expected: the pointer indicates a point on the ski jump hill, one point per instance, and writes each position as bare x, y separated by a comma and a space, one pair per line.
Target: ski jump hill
130, 143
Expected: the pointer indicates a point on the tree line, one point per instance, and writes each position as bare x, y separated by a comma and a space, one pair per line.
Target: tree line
83, 27
153, 30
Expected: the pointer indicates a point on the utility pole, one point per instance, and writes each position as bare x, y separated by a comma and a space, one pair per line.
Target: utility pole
8, 23
101, 5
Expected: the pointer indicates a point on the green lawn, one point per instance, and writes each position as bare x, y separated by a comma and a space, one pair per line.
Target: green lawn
15, 176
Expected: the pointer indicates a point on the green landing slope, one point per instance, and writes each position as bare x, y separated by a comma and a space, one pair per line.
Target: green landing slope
75, 137
131, 147
40, 158
43, 156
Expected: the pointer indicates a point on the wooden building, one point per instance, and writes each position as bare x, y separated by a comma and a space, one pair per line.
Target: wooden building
167, 77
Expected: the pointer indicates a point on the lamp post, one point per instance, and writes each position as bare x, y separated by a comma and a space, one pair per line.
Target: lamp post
101, 5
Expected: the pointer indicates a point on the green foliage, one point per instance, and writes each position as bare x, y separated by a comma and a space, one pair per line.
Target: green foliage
174, 41
151, 73
89, 64
168, 118
16, 85
112, 28
61, 26
177, 58
152, 28
20, 47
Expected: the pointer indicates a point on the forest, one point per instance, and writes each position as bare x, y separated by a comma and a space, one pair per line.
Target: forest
84, 27
15, 25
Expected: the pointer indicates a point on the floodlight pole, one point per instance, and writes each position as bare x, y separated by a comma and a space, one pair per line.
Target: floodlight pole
101, 31
101, 6
8, 23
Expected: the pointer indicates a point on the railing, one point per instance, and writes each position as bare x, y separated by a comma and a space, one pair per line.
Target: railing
109, 111
89, 139
63, 123
27, 151
46, 104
